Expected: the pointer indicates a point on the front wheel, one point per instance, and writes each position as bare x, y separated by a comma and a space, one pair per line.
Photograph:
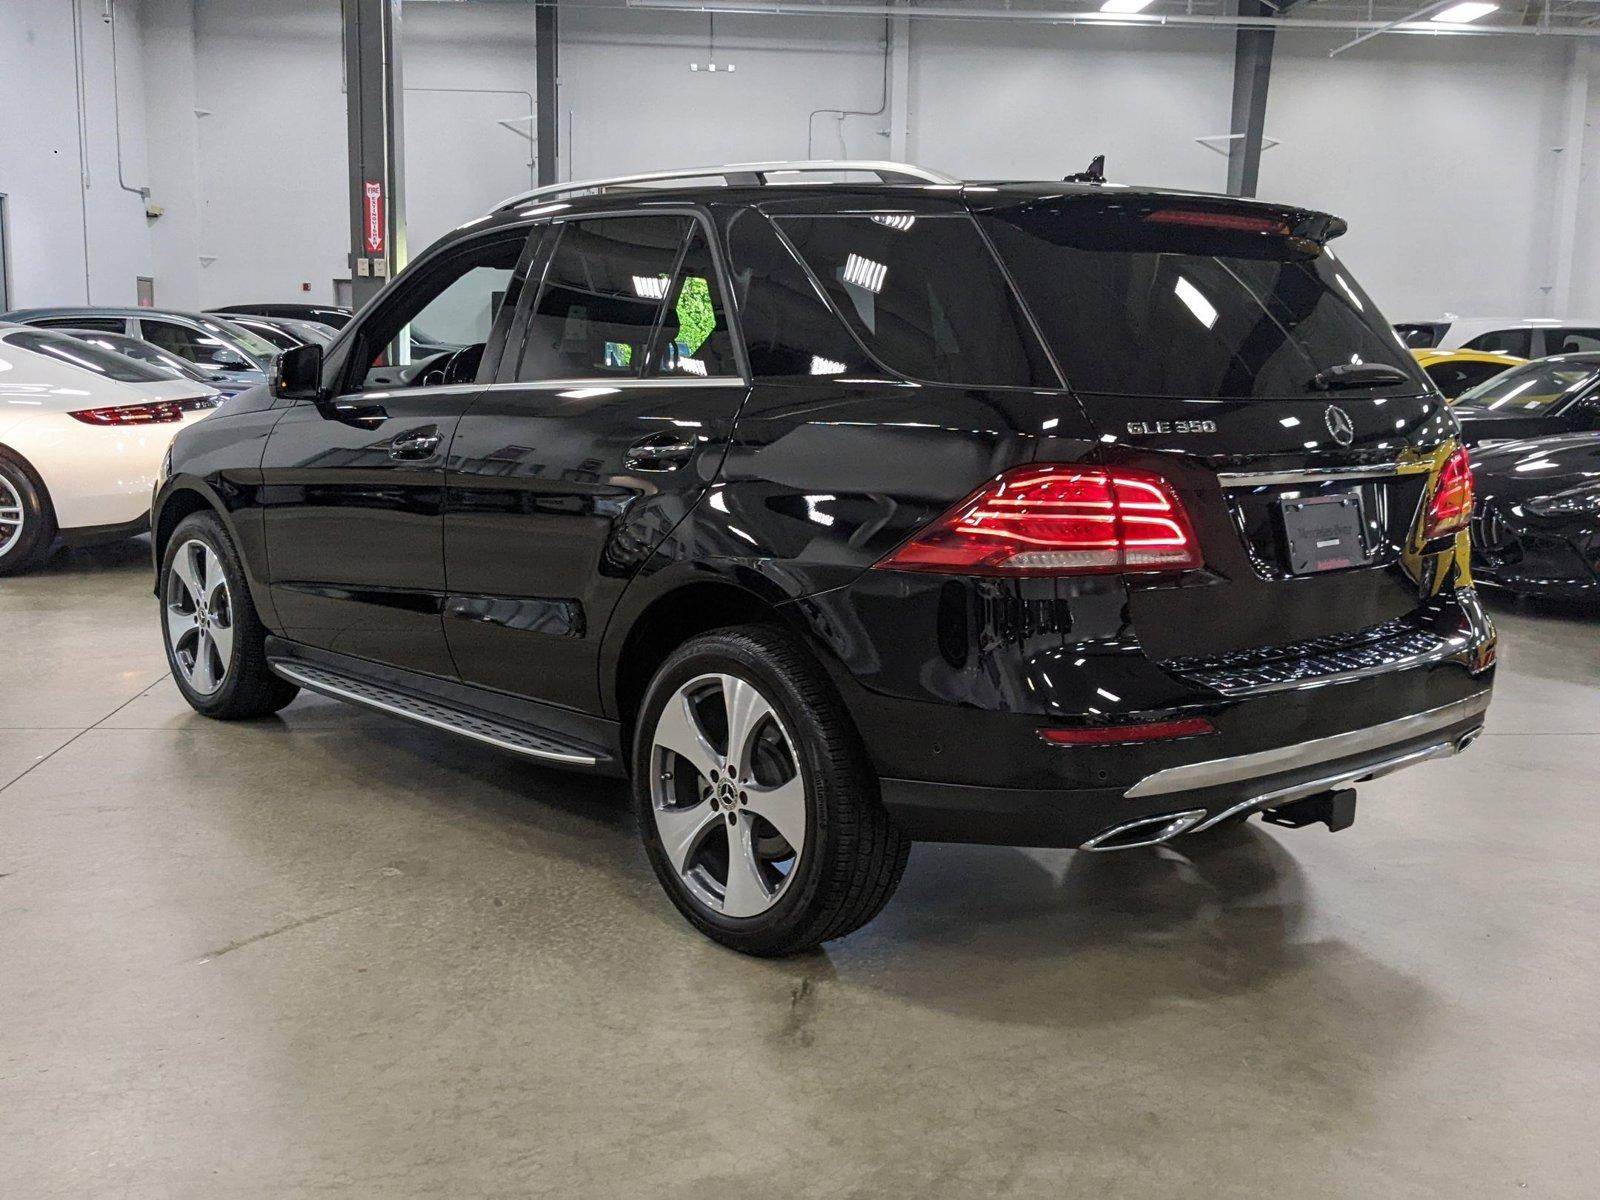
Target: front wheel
216, 644
757, 806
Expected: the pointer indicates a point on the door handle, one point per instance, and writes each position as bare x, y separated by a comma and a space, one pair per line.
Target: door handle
661, 452
417, 444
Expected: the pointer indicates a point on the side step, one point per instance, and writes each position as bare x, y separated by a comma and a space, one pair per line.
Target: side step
430, 712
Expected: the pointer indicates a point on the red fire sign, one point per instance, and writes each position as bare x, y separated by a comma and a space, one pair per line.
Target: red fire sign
374, 211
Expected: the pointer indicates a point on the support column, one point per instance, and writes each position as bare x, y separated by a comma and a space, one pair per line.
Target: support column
547, 84
1252, 68
377, 171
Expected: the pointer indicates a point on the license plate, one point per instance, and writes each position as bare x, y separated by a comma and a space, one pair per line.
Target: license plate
1323, 533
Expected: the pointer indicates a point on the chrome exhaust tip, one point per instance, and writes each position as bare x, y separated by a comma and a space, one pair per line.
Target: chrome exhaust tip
1146, 831
1467, 738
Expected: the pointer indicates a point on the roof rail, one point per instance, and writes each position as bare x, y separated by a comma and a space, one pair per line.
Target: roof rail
738, 175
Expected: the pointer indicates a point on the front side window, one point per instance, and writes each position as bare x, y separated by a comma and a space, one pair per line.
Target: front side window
924, 295
433, 328
604, 290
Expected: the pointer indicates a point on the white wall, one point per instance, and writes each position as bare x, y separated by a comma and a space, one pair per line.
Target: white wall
1440, 152
71, 242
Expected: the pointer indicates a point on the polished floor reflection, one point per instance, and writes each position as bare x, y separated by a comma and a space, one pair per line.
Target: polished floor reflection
331, 953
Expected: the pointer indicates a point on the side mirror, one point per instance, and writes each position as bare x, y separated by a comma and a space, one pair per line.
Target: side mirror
297, 373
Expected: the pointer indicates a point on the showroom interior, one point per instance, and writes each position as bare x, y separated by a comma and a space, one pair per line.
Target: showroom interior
333, 950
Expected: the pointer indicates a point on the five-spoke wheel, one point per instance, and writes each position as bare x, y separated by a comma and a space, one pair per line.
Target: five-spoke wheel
199, 617
728, 794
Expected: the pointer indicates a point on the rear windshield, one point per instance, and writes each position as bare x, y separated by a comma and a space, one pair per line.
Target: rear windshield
924, 296
1537, 387
86, 357
1134, 301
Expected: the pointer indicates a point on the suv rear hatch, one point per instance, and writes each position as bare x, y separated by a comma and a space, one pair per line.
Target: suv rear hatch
1224, 345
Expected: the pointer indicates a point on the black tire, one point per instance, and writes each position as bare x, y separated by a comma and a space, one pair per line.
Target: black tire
248, 688
38, 517
854, 854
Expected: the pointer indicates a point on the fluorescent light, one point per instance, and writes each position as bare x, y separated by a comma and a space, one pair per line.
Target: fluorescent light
1460, 14
650, 287
865, 273
900, 221
1204, 311
1125, 6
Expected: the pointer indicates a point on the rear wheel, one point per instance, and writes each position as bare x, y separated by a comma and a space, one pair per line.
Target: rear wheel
216, 644
756, 803
27, 520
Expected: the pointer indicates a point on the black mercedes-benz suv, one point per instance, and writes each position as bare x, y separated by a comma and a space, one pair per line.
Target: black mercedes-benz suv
845, 510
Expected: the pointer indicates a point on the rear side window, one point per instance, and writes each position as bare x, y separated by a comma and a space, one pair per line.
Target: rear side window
1571, 341
1136, 301
99, 324
85, 357
694, 339
1453, 378
603, 291
924, 295
1504, 341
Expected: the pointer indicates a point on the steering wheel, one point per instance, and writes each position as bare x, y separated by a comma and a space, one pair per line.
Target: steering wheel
456, 366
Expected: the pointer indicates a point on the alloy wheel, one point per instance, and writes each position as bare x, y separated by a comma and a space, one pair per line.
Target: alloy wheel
727, 794
11, 516
199, 610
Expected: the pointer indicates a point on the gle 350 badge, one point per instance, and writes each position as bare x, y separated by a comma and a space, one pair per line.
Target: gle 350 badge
1148, 428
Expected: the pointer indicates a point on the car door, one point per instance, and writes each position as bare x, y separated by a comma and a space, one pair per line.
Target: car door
610, 420
353, 488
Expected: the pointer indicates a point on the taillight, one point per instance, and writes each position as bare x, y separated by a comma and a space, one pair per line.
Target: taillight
1451, 506
163, 413
1057, 520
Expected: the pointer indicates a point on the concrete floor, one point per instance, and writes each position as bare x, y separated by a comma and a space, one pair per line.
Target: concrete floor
335, 954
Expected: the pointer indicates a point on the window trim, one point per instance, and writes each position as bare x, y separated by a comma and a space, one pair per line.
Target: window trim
696, 213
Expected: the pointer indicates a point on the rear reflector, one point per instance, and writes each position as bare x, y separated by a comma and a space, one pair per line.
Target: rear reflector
1107, 735
1057, 520
164, 413
1234, 222
1451, 506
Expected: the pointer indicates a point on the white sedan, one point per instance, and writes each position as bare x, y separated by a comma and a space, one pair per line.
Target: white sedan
82, 435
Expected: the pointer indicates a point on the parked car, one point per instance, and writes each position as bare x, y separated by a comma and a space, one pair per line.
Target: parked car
164, 361
82, 434
283, 333
1531, 337
1454, 371
202, 340
333, 316
1552, 395
1536, 529
777, 499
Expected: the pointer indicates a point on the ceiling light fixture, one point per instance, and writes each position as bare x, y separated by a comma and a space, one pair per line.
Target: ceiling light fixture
1125, 6
1460, 14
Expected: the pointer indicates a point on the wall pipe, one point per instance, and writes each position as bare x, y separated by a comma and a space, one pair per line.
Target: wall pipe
110, 18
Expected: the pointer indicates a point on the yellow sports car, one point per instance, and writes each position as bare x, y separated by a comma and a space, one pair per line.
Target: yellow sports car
1454, 371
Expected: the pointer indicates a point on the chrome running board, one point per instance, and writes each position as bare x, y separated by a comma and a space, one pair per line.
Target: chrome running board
1242, 768
430, 712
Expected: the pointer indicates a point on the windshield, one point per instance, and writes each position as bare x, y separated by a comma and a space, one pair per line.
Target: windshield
1537, 387
1138, 297
260, 350
85, 357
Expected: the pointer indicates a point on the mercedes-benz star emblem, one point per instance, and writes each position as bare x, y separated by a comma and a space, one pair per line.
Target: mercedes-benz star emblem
1340, 425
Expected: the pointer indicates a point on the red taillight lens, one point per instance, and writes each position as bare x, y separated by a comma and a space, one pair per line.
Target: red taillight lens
163, 413
1057, 520
1451, 506
1109, 735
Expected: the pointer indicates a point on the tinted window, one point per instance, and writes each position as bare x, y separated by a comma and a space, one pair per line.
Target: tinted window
1142, 300
1571, 341
85, 357
1504, 341
1421, 337
788, 327
924, 295
268, 333
606, 284
102, 324
1537, 387
694, 337
1453, 378
153, 356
